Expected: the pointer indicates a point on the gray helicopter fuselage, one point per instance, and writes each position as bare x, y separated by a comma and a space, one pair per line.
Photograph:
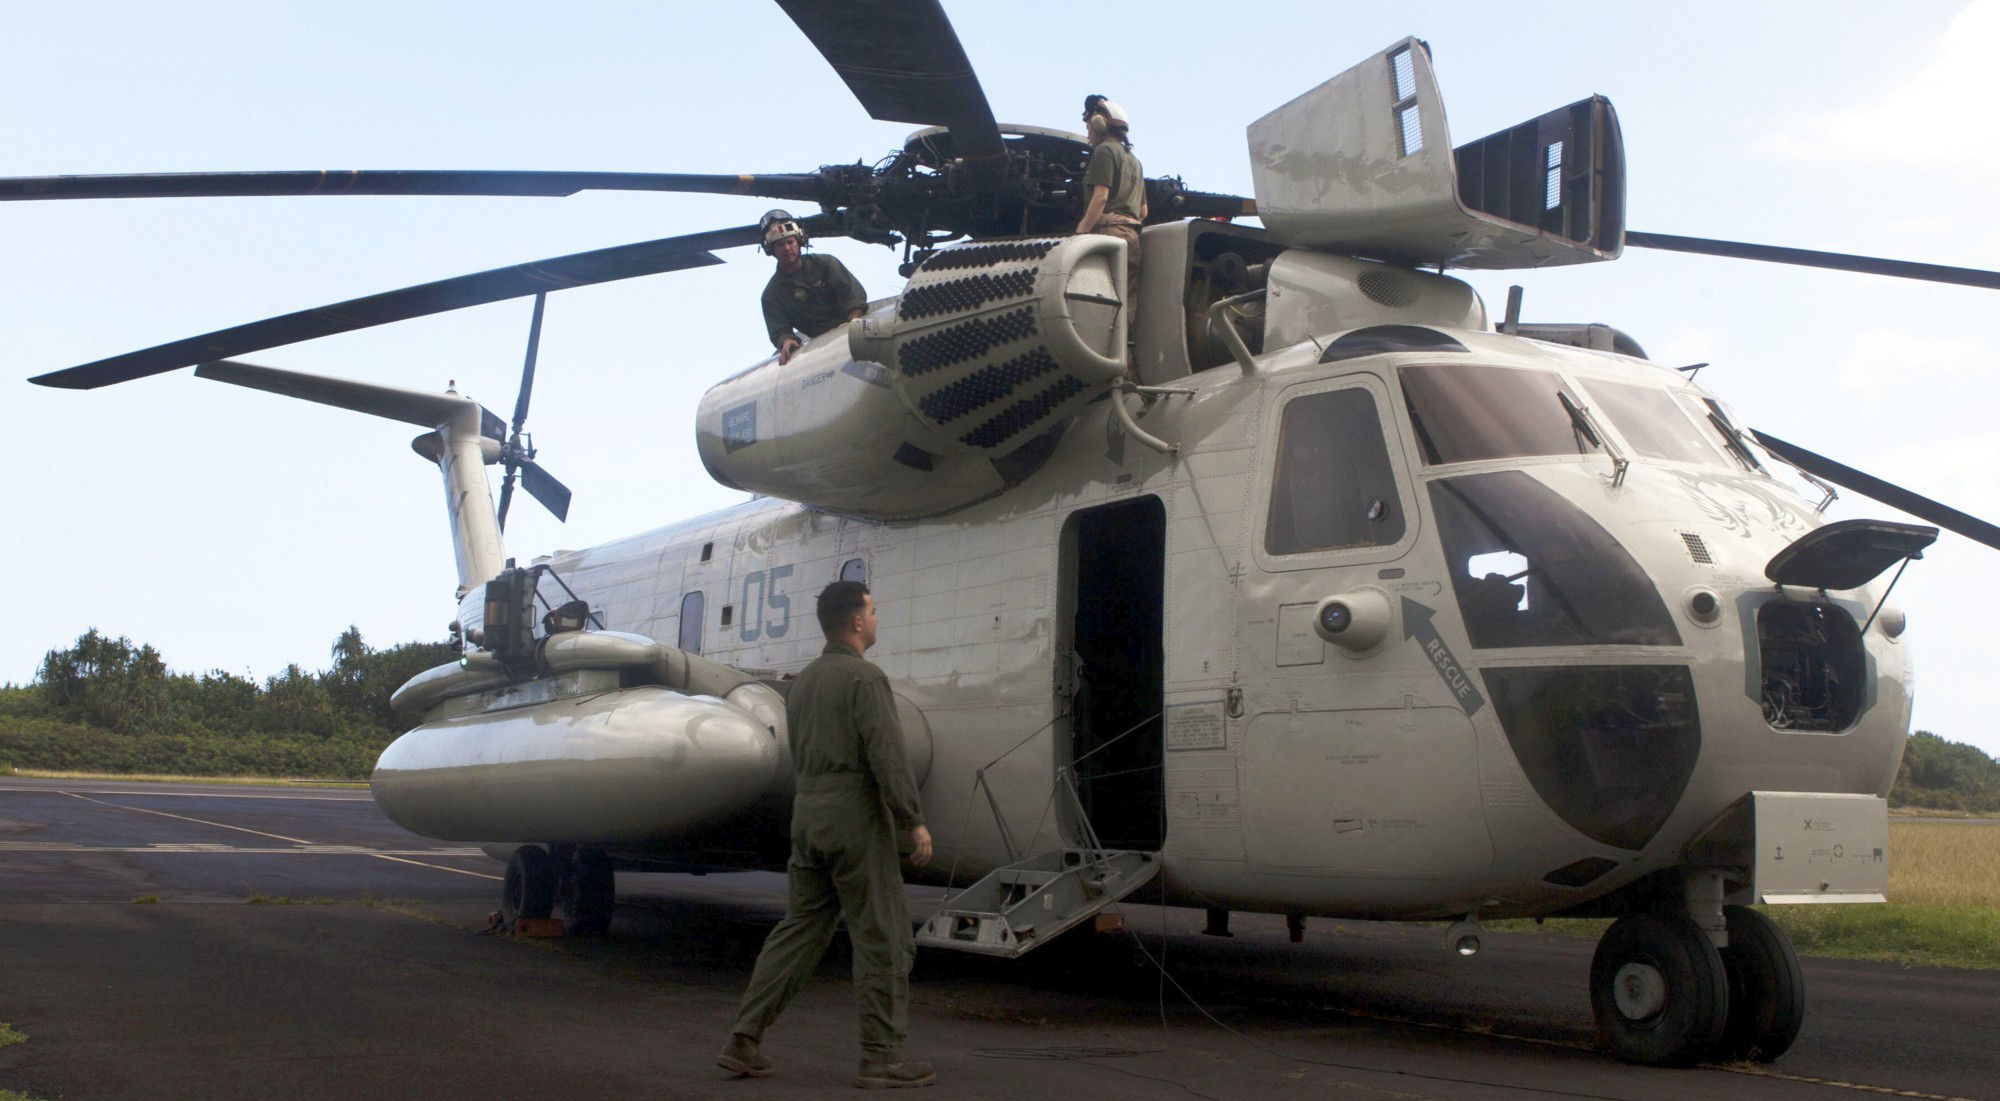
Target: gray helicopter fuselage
1584, 667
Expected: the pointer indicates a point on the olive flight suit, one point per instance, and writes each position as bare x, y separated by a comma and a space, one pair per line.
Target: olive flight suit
854, 789
1114, 168
812, 300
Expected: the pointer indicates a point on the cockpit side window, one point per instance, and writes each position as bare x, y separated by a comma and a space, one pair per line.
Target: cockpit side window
1465, 412
1335, 487
1531, 569
1652, 422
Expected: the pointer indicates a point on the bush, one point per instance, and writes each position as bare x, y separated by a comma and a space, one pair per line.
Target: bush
105, 705
1941, 775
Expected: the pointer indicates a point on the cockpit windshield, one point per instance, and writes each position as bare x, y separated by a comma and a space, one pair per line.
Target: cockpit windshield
1652, 422
1531, 569
1464, 412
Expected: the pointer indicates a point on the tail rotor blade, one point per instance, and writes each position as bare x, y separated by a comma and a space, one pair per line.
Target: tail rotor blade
543, 487
1895, 496
506, 498
528, 367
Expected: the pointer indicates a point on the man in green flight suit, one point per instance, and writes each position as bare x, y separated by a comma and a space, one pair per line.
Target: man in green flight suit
1114, 185
808, 295
855, 795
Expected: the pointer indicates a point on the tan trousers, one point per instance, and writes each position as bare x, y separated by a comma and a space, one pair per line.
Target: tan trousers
1126, 229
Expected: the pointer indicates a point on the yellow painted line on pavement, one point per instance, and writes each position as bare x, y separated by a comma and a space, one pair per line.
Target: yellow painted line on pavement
185, 818
439, 867
1858, 1087
196, 794
196, 847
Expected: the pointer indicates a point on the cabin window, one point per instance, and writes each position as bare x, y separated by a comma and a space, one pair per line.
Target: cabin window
1652, 422
1610, 748
1464, 413
692, 607
1334, 487
1531, 569
854, 569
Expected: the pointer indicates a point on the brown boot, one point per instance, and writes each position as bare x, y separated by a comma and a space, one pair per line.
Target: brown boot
742, 1057
875, 1075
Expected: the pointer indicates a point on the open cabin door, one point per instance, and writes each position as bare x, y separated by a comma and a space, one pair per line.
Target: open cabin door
1110, 754
1112, 664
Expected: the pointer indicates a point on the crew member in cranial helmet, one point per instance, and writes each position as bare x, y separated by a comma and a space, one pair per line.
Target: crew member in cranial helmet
809, 295
1114, 186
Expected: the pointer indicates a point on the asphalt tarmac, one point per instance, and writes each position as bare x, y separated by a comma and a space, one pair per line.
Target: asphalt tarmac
176, 941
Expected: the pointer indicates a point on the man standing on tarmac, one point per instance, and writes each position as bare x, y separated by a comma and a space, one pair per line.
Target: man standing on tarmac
855, 795
1114, 184
809, 295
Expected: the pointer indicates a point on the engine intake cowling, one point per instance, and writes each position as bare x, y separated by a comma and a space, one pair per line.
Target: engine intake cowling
948, 395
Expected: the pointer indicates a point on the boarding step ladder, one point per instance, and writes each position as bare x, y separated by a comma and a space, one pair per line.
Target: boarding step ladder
1028, 902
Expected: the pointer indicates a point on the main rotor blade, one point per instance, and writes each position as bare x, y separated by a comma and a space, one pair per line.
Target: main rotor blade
562, 272
1895, 496
1836, 261
903, 61
182, 185
543, 487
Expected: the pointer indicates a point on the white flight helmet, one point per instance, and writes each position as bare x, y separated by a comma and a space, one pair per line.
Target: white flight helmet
778, 225
1113, 114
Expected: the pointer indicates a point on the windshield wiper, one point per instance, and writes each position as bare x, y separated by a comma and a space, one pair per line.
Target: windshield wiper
1586, 426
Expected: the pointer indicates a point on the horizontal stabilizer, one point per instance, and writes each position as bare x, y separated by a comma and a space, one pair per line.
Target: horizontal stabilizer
419, 407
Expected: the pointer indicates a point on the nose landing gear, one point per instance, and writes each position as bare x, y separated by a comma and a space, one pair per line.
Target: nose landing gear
1658, 989
1665, 996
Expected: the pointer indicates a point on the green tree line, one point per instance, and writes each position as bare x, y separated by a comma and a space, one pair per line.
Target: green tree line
1942, 775
106, 705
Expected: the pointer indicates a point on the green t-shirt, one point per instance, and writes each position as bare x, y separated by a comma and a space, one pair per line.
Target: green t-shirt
811, 300
1113, 167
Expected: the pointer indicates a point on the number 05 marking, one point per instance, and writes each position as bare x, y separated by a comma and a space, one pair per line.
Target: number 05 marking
755, 624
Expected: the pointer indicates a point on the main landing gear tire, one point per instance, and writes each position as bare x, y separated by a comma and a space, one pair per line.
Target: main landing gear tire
529, 890
1658, 989
1767, 991
588, 894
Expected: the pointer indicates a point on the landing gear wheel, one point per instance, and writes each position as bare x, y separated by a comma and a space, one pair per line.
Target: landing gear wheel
529, 891
1767, 991
1658, 989
588, 894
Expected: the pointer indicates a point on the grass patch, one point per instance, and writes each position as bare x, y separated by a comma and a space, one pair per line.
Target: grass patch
1946, 864
171, 778
146, 900
285, 900
10, 1095
1908, 933
9, 1035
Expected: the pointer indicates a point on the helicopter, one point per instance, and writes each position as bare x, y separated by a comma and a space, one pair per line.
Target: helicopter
1090, 501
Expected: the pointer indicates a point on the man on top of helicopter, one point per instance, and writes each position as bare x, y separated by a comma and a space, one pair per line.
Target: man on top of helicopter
1114, 183
808, 295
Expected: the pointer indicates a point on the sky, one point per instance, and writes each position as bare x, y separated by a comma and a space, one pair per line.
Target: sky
235, 530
